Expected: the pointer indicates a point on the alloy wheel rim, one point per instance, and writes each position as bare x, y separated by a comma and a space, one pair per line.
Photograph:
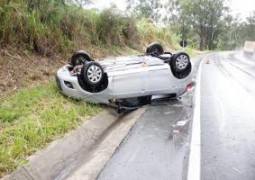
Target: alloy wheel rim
182, 62
94, 74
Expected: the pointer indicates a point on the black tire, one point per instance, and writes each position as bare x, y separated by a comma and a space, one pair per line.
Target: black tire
155, 49
180, 62
80, 58
92, 74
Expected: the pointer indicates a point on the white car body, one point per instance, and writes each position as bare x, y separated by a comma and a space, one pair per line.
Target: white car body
132, 76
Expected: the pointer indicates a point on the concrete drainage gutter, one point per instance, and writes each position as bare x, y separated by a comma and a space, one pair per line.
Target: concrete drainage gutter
83, 153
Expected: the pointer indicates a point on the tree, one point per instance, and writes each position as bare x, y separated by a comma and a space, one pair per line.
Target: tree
204, 17
231, 39
83, 2
145, 8
249, 27
170, 11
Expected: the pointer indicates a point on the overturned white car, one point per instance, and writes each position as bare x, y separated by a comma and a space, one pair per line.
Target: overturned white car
116, 80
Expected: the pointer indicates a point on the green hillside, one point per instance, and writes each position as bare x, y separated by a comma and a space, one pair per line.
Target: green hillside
49, 27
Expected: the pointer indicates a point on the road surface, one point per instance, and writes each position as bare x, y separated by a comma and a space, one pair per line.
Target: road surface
227, 118
158, 145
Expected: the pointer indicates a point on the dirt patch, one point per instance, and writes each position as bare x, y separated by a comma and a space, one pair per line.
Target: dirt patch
25, 70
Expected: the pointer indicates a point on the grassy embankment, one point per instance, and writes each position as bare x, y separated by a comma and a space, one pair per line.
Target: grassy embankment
34, 40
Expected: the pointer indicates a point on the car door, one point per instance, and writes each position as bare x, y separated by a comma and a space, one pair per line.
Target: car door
160, 79
131, 81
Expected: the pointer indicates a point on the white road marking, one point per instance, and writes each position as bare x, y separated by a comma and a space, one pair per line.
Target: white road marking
194, 166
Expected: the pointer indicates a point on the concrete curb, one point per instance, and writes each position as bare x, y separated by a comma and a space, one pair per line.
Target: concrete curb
69, 155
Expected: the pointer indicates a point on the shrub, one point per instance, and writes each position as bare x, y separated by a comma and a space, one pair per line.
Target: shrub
110, 27
148, 32
49, 27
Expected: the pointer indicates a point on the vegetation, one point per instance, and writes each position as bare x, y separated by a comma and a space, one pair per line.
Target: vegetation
237, 32
35, 35
206, 24
58, 26
33, 117
205, 19
62, 26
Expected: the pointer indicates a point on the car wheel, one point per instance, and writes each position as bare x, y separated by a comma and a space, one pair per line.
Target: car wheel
80, 58
155, 49
180, 61
92, 73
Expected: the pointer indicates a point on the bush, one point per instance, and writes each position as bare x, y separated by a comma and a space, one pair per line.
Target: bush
149, 33
115, 28
31, 29
49, 27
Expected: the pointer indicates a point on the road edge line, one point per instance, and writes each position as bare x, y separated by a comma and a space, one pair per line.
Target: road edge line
194, 164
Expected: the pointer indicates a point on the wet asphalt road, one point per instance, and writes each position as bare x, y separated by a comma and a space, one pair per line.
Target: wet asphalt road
152, 151
157, 146
228, 118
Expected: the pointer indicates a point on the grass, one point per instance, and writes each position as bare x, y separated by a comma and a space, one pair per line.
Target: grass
33, 117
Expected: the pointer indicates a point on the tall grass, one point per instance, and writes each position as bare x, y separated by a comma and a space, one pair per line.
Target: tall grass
114, 28
58, 28
148, 33
48, 27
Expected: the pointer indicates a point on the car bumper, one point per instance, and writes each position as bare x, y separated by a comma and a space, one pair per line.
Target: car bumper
68, 84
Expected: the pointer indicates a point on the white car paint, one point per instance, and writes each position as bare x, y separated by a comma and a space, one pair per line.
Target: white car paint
132, 76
